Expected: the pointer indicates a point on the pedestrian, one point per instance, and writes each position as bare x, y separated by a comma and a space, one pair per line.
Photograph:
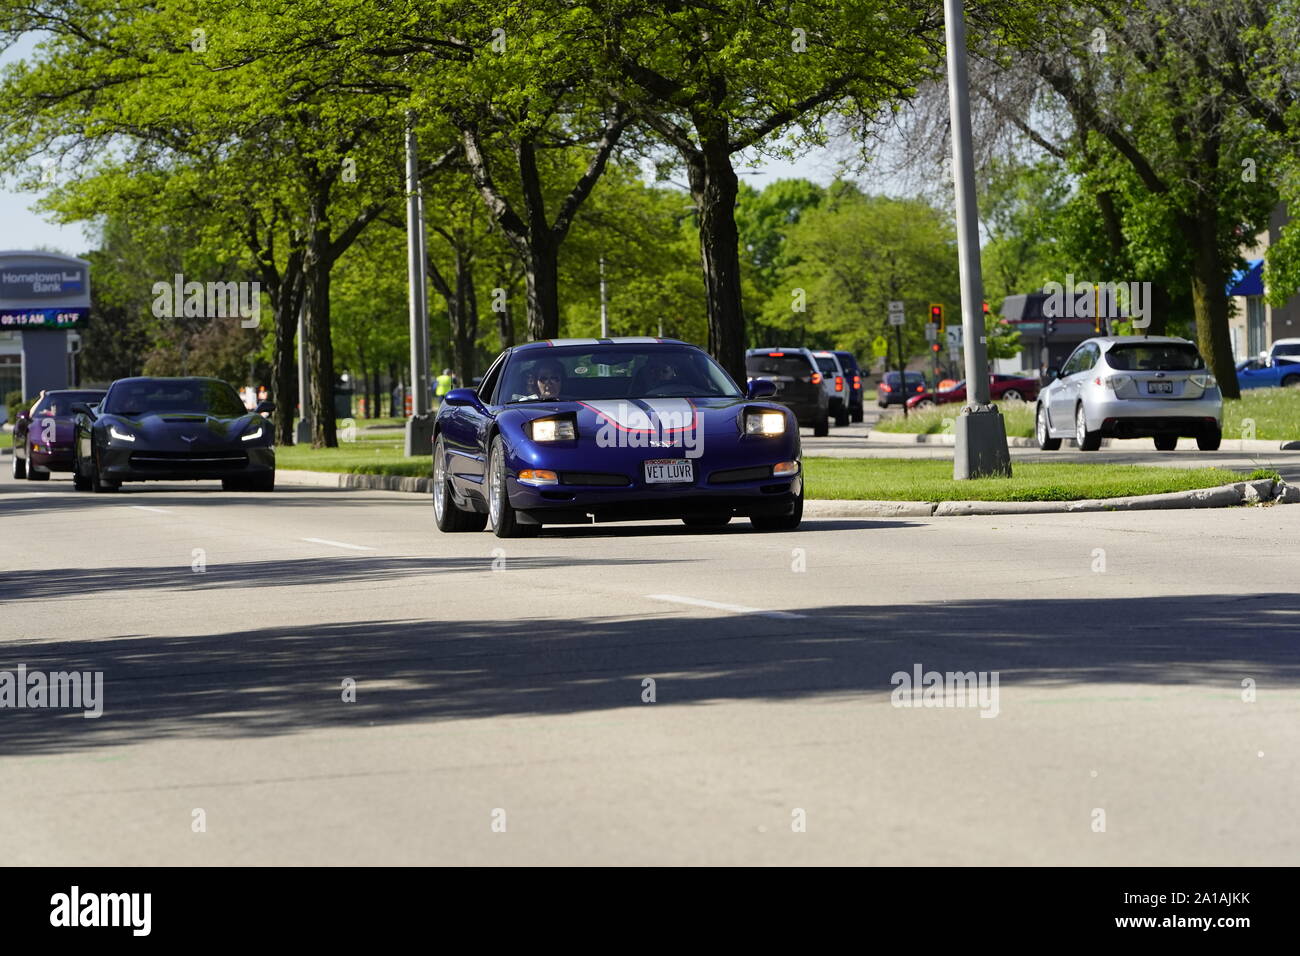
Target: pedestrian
445, 383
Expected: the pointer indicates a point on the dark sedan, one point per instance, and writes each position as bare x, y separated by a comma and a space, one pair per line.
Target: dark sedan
1002, 388
173, 429
43, 435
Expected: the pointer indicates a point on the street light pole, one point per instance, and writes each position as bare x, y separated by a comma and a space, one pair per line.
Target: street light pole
981, 438
419, 427
604, 306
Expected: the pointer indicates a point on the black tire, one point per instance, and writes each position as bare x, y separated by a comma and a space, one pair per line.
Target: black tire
79, 481
781, 522
97, 486
1166, 442
858, 415
1291, 381
822, 426
447, 515
707, 523
18, 465
1086, 440
1013, 395
234, 484
501, 514
842, 420
1045, 442
1210, 440
35, 474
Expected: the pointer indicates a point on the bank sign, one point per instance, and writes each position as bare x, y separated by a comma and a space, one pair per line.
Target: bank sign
41, 290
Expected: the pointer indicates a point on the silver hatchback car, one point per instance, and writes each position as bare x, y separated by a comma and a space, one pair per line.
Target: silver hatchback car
1131, 387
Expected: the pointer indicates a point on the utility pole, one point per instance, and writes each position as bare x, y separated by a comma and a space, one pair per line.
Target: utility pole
604, 305
419, 427
303, 435
981, 436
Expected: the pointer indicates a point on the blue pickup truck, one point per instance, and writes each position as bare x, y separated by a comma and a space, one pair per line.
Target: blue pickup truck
1281, 367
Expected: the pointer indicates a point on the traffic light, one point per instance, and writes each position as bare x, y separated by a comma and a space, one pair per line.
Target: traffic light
934, 347
1050, 327
936, 316
986, 313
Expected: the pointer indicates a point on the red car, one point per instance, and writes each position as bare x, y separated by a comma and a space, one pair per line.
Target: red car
43, 435
1002, 388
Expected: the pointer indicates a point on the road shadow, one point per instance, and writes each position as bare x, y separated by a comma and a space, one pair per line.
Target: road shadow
271, 681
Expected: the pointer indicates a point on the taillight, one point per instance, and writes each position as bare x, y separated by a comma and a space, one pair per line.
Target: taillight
886, 388
857, 382
920, 388
817, 378
839, 383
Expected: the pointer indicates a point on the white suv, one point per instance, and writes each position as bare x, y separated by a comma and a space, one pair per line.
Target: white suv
1130, 387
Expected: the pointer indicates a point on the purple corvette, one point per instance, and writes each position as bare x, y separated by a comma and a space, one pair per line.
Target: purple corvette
579, 430
44, 434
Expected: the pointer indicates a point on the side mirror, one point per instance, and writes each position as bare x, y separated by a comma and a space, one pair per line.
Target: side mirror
1053, 373
462, 396
264, 407
760, 388
81, 408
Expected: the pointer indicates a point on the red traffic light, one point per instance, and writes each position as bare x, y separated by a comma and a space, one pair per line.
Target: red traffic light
934, 347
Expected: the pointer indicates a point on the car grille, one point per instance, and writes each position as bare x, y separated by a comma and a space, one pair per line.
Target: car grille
741, 474
593, 478
187, 461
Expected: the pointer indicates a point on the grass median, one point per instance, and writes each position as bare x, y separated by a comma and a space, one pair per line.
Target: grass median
893, 479
1269, 414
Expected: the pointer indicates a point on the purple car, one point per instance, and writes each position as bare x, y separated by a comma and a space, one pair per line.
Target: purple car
576, 430
44, 434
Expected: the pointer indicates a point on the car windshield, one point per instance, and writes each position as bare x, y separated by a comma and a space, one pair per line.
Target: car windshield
59, 404
913, 378
778, 363
1165, 357
580, 373
1290, 348
186, 396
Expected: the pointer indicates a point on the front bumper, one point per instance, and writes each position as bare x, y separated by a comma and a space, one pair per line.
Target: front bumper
56, 459
131, 464
579, 503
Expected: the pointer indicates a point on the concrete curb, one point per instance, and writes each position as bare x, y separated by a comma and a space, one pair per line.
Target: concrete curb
1144, 444
1224, 496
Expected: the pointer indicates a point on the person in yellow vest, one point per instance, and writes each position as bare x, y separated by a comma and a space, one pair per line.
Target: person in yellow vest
444, 384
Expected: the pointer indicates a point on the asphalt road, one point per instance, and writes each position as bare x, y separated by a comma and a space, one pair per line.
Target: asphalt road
514, 695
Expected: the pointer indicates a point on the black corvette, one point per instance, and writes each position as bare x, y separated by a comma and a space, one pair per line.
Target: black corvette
173, 429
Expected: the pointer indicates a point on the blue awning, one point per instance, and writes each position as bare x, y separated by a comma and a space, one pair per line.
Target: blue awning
1248, 281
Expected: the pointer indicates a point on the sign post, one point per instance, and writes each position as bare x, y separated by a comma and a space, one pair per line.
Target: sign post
897, 320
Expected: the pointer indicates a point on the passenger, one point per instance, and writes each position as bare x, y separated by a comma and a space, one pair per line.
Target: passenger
550, 379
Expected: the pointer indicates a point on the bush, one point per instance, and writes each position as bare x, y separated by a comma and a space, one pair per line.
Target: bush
15, 404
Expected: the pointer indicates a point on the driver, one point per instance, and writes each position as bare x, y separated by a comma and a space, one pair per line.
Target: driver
550, 379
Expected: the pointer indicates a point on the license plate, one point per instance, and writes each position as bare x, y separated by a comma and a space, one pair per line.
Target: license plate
1155, 388
663, 470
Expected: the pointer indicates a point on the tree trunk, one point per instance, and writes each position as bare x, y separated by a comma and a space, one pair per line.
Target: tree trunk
283, 367
1210, 303
394, 410
320, 349
714, 186
542, 285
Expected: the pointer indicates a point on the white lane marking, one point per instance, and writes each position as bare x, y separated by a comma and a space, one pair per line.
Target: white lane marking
340, 544
719, 606
161, 511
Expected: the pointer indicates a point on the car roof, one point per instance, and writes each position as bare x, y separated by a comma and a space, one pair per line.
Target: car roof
71, 388
1286, 342
170, 378
1109, 340
623, 340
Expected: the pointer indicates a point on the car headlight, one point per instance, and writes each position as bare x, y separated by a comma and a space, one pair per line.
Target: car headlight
552, 429
253, 435
1203, 380
119, 436
764, 423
